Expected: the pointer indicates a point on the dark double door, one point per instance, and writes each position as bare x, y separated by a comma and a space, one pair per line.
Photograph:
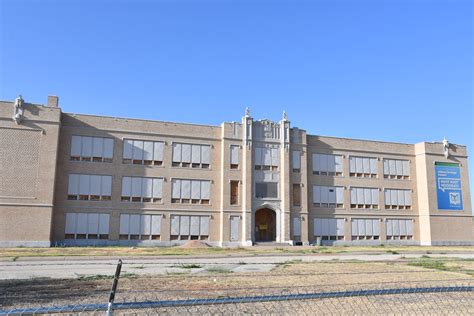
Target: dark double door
265, 225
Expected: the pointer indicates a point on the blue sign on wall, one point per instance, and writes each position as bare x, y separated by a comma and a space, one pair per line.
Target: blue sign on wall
448, 186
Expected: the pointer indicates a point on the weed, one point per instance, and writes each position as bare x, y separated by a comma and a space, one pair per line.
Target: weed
15, 258
94, 277
218, 270
393, 252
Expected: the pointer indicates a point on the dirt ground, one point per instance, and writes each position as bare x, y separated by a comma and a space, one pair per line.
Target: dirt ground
289, 277
15, 253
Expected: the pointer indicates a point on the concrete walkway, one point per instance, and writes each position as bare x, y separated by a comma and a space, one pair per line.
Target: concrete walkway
75, 267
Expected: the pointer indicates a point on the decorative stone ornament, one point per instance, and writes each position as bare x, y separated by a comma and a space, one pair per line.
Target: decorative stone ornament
18, 109
446, 147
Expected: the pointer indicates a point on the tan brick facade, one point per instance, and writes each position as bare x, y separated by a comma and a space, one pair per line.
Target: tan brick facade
289, 187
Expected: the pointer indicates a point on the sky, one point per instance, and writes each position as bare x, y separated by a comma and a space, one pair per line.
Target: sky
393, 70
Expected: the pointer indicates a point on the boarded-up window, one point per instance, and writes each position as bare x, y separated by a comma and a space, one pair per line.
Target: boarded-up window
140, 227
86, 226
234, 192
363, 167
266, 158
184, 227
143, 152
95, 149
141, 189
397, 199
328, 196
296, 194
364, 197
396, 169
266, 190
234, 156
191, 155
296, 155
399, 229
87, 187
188, 191
327, 164
329, 228
365, 229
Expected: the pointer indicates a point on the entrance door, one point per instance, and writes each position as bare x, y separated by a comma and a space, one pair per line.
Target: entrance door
265, 225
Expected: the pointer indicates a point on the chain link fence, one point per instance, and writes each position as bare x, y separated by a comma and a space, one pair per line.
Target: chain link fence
445, 294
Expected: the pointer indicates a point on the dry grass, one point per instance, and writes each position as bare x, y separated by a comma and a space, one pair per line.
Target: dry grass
291, 277
16, 253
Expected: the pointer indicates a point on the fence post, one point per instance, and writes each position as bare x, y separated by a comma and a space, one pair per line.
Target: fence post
114, 288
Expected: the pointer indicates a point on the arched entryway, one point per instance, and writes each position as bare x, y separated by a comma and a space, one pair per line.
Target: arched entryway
265, 225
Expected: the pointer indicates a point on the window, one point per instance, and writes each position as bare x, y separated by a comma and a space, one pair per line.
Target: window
396, 169
329, 228
95, 149
85, 187
327, 165
142, 152
324, 196
234, 192
364, 198
266, 190
399, 229
191, 156
362, 167
234, 156
296, 194
187, 191
397, 199
140, 227
139, 189
365, 229
87, 226
297, 228
267, 158
296, 161
189, 227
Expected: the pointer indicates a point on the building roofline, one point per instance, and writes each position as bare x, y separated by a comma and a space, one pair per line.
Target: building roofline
138, 119
380, 141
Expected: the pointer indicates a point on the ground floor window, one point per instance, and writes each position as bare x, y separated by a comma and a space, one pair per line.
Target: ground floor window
87, 226
399, 229
365, 229
329, 228
184, 227
140, 227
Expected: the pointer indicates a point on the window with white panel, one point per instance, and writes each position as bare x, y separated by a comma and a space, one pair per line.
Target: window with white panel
399, 229
88, 187
296, 161
87, 226
234, 156
327, 165
191, 155
140, 227
184, 227
190, 191
396, 169
365, 229
363, 167
143, 152
398, 199
92, 149
142, 189
367, 198
329, 228
328, 196
266, 158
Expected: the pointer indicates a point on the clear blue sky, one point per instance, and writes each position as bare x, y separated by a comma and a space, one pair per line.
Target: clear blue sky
389, 70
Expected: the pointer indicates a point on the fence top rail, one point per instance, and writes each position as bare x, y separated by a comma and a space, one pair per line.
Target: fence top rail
231, 300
